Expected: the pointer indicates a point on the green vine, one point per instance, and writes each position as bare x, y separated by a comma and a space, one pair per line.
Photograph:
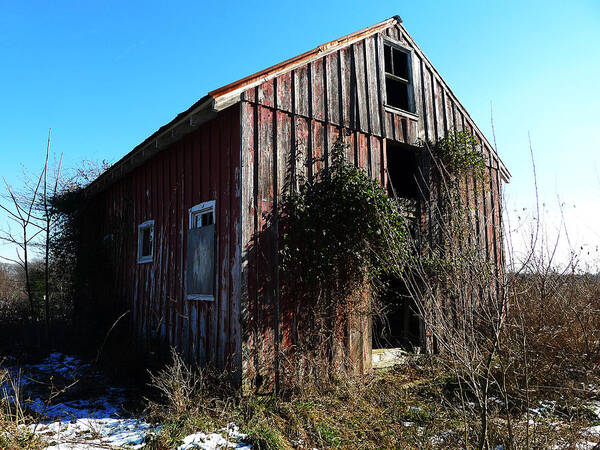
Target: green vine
334, 230
458, 154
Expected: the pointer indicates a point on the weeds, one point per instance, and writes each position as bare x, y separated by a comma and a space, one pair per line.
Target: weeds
13, 417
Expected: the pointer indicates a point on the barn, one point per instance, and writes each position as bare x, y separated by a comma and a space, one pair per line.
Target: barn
175, 217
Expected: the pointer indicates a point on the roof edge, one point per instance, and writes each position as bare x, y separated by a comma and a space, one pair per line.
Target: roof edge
291, 63
184, 123
218, 100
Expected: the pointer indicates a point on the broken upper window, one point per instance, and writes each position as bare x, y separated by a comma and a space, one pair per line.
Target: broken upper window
145, 241
202, 215
398, 82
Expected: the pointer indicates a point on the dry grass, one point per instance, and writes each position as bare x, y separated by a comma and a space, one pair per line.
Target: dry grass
416, 405
13, 416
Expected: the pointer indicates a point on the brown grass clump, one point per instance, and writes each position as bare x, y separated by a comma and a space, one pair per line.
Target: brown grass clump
415, 405
13, 417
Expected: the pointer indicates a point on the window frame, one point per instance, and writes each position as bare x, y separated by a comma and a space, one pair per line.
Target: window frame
412, 111
141, 259
194, 211
200, 209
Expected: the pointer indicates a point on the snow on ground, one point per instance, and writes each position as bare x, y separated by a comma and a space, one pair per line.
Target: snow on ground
86, 415
89, 414
214, 440
92, 433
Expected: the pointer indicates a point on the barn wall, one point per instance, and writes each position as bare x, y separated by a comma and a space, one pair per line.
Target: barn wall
305, 110
202, 166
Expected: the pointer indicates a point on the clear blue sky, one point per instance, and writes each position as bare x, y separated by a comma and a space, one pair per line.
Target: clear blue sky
105, 75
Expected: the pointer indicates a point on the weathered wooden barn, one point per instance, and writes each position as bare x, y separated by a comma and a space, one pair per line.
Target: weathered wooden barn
177, 214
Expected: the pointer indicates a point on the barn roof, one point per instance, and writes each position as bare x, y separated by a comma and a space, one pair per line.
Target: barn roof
217, 100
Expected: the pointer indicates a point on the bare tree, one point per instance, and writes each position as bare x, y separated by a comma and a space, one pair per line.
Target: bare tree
29, 209
21, 211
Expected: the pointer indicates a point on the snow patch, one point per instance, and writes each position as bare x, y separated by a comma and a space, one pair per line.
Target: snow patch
86, 420
94, 433
213, 441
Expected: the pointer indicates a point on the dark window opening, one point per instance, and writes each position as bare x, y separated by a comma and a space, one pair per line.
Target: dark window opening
397, 93
397, 78
145, 241
398, 326
403, 170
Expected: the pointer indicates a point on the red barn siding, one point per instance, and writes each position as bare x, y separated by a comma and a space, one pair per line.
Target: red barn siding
202, 166
305, 110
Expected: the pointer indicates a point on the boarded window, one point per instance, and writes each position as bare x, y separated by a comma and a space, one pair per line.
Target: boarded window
200, 262
145, 241
398, 78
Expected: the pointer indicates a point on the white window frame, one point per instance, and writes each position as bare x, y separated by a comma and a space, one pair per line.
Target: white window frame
412, 101
200, 209
141, 227
194, 211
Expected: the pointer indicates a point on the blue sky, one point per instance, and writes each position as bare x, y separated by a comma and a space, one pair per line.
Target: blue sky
105, 75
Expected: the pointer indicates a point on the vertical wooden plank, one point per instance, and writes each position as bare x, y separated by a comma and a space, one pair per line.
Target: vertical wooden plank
375, 149
302, 146
284, 92
418, 97
494, 215
158, 239
350, 141
393, 33
389, 126
317, 89
224, 199
438, 108
284, 147
479, 186
193, 313
428, 112
301, 88
380, 73
248, 287
145, 268
358, 70
249, 95
265, 263
318, 145
266, 93
235, 269
346, 89
214, 172
141, 268
203, 312
363, 152
180, 244
400, 127
188, 174
333, 134
164, 255
171, 297
332, 77
401, 37
373, 90
489, 212
443, 96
